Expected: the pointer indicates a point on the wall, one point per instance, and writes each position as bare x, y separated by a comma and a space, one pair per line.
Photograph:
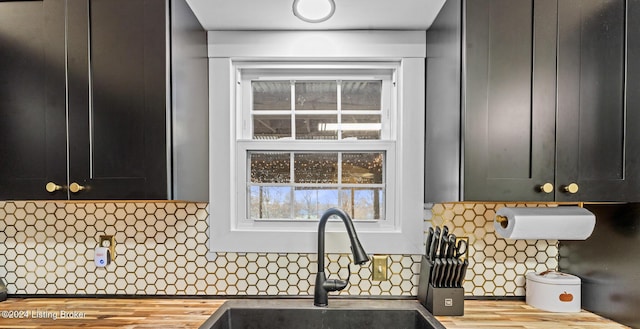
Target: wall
189, 106
47, 248
608, 263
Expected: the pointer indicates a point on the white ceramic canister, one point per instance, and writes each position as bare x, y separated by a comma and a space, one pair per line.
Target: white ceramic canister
553, 291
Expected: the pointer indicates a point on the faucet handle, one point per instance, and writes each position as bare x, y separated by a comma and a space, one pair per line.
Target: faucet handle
334, 285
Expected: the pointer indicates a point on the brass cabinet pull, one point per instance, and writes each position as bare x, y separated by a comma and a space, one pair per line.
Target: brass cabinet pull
546, 188
571, 188
52, 187
75, 187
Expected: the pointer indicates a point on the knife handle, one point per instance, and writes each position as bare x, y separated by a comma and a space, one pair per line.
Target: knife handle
437, 267
443, 274
443, 246
432, 273
463, 272
459, 264
432, 249
452, 273
447, 271
436, 240
430, 233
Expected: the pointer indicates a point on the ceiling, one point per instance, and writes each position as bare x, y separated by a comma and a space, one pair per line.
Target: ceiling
349, 15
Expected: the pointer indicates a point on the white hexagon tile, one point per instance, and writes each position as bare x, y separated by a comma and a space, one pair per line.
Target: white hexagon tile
497, 266
47, 248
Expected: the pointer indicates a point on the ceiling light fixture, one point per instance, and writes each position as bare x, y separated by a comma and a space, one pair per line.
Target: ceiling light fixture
314, 11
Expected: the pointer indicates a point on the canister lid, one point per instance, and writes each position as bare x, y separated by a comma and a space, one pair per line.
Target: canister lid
553, 277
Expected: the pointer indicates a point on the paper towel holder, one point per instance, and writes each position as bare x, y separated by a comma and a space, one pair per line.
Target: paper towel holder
572, 220
504, 221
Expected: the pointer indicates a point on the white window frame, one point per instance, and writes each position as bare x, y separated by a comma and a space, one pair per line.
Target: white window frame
402, 231
246, 72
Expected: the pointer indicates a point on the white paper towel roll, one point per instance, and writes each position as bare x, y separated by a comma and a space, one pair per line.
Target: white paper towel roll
552, 223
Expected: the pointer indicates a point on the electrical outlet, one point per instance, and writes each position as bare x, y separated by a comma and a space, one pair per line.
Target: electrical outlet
109, 241
380, 267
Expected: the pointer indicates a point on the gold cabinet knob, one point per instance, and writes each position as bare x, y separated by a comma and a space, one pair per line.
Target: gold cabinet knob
546, 188
75, 187
571, 188
52, 187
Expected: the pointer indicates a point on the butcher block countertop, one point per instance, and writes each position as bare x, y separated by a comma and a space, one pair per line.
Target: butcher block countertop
135, 313
518, 315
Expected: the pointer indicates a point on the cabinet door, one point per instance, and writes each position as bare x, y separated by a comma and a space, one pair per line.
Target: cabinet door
117, 117
592, 149
509, 99
632, 111
32, 99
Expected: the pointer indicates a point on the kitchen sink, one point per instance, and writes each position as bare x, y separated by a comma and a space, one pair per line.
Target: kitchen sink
340, 314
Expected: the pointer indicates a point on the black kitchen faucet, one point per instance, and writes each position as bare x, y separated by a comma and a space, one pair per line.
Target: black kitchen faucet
323, 286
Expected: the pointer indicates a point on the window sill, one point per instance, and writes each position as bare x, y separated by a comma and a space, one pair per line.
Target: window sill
336, 241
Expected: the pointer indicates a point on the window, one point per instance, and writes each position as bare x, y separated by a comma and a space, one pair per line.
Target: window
304, 120
314, 138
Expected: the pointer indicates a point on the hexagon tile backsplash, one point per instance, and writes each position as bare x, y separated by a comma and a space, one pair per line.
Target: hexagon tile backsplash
47, 248
497, 267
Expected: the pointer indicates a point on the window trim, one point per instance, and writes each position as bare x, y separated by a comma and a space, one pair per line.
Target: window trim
407, 237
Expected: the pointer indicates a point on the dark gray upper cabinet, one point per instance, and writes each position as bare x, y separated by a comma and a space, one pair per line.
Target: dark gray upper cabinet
95, 115
598, 109
117, 98
546, 97
510, 99
32, 98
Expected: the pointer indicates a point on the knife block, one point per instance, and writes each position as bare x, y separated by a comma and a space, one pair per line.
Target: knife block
438, 301
423, 280
445, 301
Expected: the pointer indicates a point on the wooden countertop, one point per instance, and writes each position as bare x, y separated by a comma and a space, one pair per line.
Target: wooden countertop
134, 313
103, 313
517, 314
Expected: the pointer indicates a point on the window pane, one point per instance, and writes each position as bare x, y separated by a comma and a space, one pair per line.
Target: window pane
367, 203
311, 202
270, 167
316, 126
345, 202
361, 126
316, 95
270, 202
316, 168
363, 203
271, 95
271, 126
362, 168
361, 95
